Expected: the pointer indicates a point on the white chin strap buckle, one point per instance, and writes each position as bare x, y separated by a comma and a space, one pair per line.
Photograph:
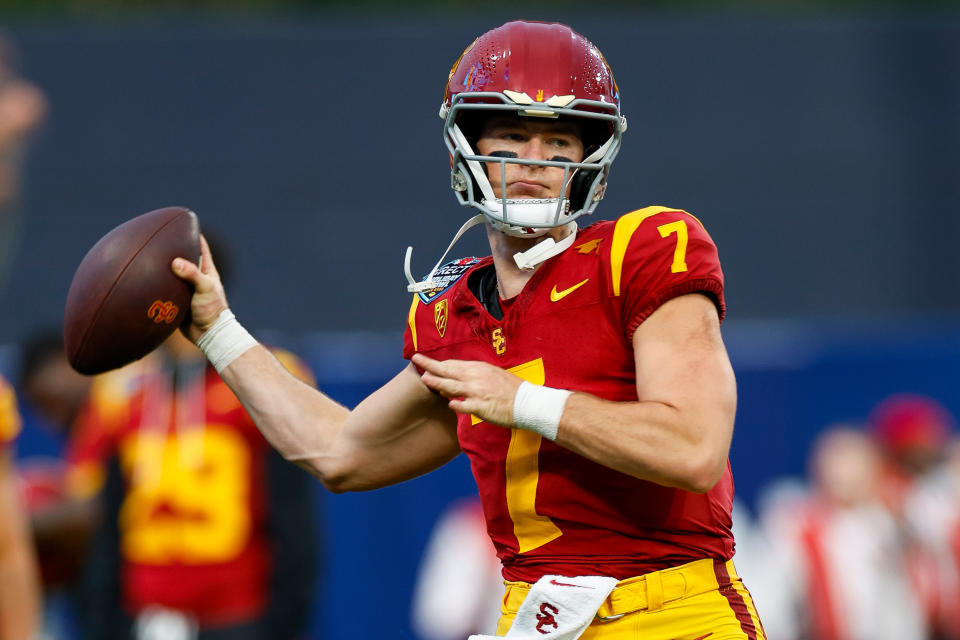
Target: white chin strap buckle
544, 250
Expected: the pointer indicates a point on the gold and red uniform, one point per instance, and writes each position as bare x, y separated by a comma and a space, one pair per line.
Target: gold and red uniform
192, 518
549, 510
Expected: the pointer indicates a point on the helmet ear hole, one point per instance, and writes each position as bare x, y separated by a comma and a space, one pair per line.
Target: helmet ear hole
580, 187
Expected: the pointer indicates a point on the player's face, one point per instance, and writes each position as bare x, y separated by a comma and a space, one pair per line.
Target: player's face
531, 139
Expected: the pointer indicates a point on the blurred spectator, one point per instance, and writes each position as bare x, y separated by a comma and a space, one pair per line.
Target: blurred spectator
52, 394
22, 109
19, 584
838, 548
459, 586
208, 533
921, 487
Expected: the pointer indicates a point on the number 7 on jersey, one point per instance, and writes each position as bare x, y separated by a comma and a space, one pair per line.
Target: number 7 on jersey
678, 227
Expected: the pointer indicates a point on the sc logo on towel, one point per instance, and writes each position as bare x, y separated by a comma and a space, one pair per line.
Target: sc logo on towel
546, 618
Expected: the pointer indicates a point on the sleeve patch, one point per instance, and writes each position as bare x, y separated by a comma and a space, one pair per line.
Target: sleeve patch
446, 276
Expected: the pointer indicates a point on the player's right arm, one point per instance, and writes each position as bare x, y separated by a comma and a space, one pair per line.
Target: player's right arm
400, 431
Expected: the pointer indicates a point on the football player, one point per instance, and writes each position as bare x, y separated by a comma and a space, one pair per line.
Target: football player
19, 579
582, 371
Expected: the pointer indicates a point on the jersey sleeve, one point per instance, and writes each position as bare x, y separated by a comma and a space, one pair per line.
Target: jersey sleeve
658, 254
10, 421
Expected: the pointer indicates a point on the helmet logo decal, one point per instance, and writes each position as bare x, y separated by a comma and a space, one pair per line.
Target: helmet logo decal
440, 316
539, 95
477, 77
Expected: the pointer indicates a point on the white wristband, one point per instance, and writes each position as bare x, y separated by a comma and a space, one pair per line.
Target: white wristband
538, 409
225, 341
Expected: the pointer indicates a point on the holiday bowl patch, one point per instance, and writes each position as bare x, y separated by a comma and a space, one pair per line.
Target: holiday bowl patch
446, 276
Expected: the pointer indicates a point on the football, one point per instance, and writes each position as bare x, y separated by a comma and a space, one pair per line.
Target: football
124, 299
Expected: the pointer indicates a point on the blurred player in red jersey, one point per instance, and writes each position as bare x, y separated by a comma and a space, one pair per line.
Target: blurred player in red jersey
841, 548
203, 522
918, 487
581, 370
19, 578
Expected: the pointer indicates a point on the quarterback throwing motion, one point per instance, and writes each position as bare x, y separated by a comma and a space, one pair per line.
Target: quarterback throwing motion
582, 371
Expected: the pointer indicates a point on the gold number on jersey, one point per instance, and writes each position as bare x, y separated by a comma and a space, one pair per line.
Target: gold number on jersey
523, 473
678, 227
189, 497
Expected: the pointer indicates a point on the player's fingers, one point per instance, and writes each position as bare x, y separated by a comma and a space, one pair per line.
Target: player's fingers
458, 405
435, 367
458, 369
185, 269
447, 387
206, 258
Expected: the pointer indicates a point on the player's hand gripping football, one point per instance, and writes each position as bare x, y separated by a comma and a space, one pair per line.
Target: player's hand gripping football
208, 298
472, 387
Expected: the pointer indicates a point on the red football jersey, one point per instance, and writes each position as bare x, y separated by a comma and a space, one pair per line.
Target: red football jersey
549, 510
193, 520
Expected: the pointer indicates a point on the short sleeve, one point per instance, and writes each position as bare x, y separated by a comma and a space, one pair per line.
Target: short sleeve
658, 254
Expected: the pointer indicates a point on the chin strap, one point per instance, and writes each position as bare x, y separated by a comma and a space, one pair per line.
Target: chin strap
526, 260
428, 283
545, 249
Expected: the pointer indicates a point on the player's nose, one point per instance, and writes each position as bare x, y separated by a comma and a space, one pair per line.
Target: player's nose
534, 148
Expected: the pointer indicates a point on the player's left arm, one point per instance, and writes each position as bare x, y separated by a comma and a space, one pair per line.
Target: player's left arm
677, 434
19, 581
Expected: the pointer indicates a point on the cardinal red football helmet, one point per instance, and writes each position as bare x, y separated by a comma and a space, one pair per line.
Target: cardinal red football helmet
536, 70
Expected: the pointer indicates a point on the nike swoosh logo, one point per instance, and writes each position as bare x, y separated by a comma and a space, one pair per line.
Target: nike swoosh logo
559, 295
567, 584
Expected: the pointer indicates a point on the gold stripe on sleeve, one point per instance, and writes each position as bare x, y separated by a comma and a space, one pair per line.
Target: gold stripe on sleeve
412, 319
626, 226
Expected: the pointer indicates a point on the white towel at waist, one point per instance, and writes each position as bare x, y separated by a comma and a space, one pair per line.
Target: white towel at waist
558, 608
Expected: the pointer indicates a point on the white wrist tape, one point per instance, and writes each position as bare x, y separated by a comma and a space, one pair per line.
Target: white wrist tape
538, 409
225, 341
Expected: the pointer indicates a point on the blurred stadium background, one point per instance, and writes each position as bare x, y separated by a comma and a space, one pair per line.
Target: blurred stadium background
818, 142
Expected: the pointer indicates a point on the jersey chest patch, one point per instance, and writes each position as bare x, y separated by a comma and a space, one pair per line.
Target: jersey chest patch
445, 277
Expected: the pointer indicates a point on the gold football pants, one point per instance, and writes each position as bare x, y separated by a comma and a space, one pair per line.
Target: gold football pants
697, 601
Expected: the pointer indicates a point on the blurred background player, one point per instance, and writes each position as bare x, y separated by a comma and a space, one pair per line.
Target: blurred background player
52, 394
841, 549
919, 485
19, 582
22, 109
459, 586
206, 532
